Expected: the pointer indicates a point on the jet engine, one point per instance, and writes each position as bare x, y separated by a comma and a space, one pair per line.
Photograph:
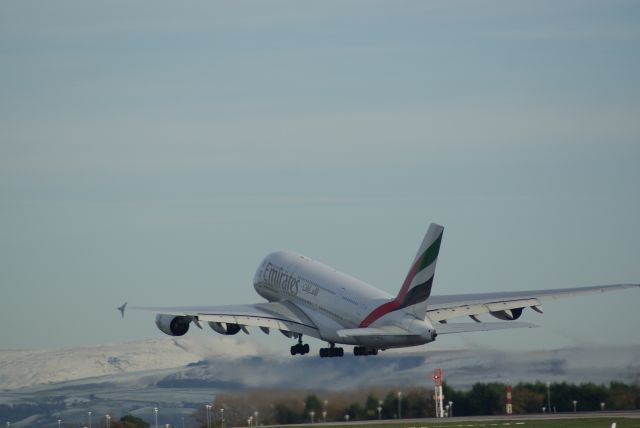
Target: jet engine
173, 325
224, 328
508, 314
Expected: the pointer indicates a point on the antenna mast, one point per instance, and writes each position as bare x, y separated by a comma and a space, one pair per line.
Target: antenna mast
438, 396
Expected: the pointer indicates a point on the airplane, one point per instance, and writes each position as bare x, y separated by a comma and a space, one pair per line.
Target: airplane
307, 298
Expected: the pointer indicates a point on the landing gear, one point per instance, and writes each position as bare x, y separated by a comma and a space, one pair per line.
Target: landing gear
300, 348
331, 352
363, 350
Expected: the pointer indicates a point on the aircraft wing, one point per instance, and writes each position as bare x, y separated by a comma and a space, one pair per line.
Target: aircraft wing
465, 327
442, 308
284, 315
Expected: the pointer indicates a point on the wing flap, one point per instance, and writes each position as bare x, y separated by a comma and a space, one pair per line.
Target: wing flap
479, 308
261, 321
442, 308
467, 327
279, 315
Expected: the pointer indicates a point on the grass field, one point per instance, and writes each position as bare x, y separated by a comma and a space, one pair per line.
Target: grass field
557, 423
606, 422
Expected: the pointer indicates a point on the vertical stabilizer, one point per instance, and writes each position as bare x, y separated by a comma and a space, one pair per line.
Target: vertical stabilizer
416, 287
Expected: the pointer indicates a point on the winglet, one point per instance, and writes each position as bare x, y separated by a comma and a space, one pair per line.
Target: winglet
122, 308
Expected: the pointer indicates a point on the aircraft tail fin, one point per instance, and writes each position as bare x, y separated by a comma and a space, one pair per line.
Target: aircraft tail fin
416, 287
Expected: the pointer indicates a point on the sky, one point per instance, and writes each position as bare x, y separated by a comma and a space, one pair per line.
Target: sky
154, 152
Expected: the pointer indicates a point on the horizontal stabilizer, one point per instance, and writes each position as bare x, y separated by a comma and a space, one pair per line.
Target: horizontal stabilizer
482, 326
371, 331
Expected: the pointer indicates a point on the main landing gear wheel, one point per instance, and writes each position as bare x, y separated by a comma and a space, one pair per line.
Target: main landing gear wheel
363, 350
300, 348
331, 352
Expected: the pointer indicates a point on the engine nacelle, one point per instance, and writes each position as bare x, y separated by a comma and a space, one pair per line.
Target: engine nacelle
173, 325
508, 314
224, 328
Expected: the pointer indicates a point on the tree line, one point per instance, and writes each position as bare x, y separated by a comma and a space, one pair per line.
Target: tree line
282, 407
289, 407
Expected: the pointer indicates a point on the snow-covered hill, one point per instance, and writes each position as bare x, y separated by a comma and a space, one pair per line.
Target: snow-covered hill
244, 363
23, 368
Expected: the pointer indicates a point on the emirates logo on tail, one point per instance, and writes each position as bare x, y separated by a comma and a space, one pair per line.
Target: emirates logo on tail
416, 287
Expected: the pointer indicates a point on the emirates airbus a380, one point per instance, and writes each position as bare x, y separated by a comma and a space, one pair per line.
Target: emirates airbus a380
305, 297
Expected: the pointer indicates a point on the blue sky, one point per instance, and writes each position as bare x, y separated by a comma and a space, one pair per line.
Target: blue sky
155, 152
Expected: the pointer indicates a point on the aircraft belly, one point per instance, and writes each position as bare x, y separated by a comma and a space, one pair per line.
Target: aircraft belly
327, 326
383, 342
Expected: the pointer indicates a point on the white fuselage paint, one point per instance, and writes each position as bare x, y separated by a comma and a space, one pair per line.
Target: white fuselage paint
334, 300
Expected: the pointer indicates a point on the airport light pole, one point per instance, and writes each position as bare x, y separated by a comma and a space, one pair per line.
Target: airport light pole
89, 413
208, 407
155, 411
399, 404
549, 396
108, 418
575, 406
222, 417
59, 422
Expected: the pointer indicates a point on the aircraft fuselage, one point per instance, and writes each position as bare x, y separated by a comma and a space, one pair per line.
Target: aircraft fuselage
334, 300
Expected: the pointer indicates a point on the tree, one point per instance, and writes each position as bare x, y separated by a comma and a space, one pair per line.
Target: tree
284, 415
417, 404
371, 407
312, 404
390, 405
562, 396
460, 401
591, 395
487, 398
130, 421
355, 411
527, 400
623, 397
